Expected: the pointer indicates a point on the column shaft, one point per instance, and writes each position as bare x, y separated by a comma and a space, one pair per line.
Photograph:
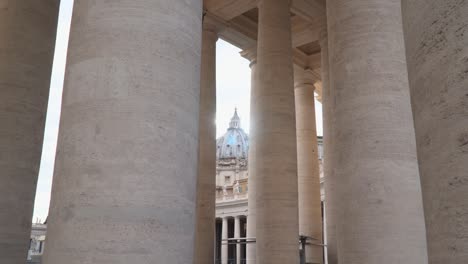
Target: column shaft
275, 136
125, 179
27, 33
310, 211
224, 242
206, 183
380, 215
329, 158
251, 250
237, 236
437, 52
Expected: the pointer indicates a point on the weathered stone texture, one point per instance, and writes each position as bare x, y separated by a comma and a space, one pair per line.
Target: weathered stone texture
379, 216
126, 168
206, 181
275, 138
436, 34
27, 39
308, 172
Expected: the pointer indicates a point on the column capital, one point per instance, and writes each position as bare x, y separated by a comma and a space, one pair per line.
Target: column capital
305, 78
250, 54
212, 23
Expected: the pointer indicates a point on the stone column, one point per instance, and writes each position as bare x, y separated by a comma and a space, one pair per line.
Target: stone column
237, 236
206, 184
251, 250
328, 153
124, 189
27, 33
224, 241
437, 51
308, 174
380, 215
275, 136
325, 252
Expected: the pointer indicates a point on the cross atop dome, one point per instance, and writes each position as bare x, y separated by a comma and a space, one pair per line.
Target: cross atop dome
235, 120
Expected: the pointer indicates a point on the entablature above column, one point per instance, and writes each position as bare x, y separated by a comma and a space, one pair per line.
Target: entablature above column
229, 9
237, 23
213, 23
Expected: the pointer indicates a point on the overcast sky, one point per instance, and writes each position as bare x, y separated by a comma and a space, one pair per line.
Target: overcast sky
233, 90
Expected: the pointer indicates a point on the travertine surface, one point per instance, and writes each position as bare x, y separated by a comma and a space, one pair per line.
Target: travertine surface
251, 249
329, 157
206, 182
275, 138
27, 40
126, 168
308, 174
437, 52
380, 216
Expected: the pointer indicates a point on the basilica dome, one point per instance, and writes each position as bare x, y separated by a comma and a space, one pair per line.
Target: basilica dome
234, 143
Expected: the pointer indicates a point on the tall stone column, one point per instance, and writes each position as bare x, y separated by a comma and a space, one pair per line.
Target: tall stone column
237, 236
308, 174
437, 52
224, 241
27, 33
251, 248
206, 183
275, 136
126, 168
330, 202
325, 252
380, 215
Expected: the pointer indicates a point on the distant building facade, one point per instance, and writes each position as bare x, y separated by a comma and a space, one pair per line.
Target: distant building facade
232, 190
37, 243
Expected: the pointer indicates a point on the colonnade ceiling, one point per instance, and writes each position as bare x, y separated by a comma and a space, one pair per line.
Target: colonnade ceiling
237, 23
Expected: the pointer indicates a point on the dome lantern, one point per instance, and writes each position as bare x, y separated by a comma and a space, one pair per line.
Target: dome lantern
235, 120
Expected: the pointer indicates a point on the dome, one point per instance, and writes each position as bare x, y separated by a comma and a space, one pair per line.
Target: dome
234, 143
